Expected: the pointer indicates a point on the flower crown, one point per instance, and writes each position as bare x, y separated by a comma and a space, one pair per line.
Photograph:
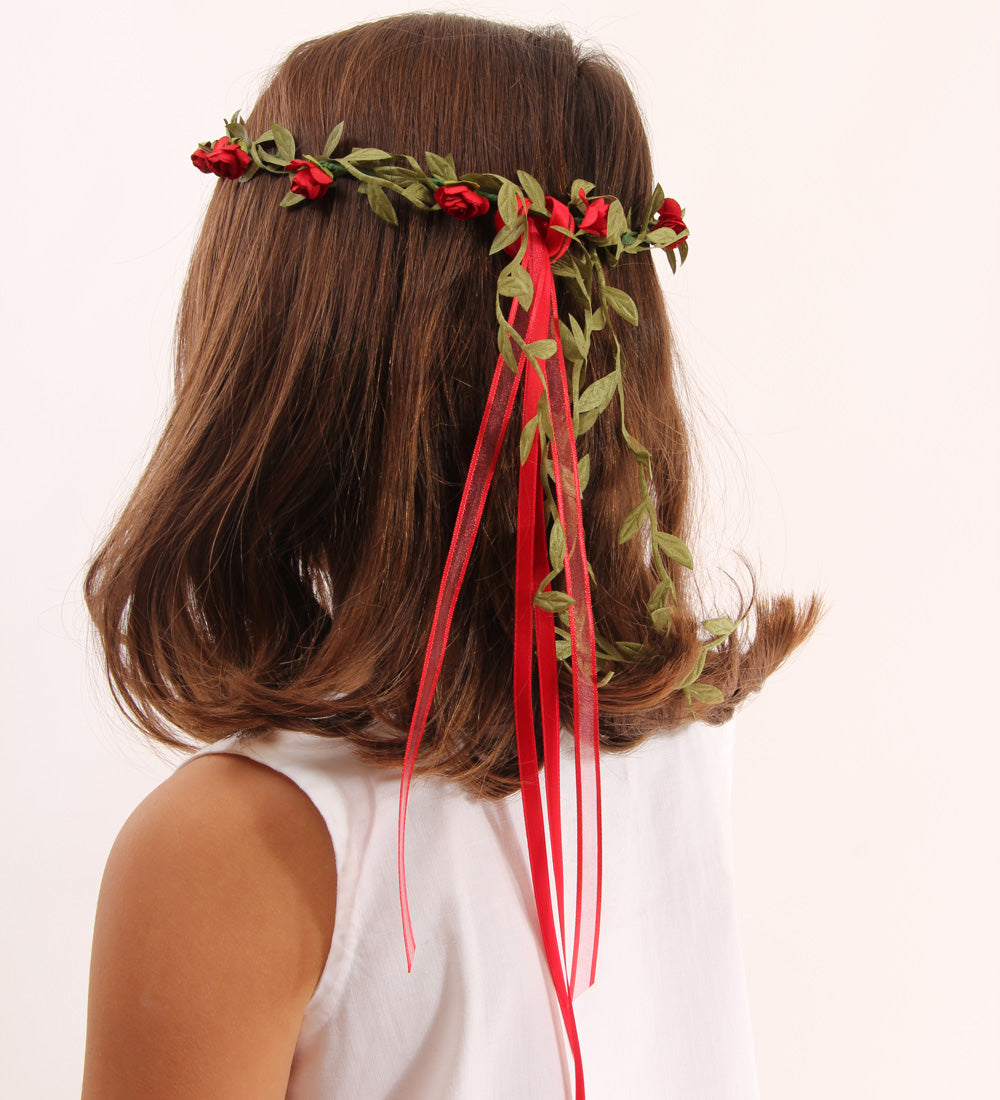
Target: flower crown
595, 224
235, 156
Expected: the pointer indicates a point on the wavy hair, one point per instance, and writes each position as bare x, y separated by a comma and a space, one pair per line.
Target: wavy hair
278, 562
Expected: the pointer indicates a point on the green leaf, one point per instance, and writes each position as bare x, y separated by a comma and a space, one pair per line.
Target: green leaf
557, 546
695, 672
515, 282
660, 604
672, 260
704, 693
261, 156
397, 173
632, 650
661, 596
366, 153
507, 203
443, 168
654, 204
621, 303
482, 181
583, 472
585, 421
418, 168
721, 626
542, 349
505, 347
642, 456
533, 189
658, 197
571, 350
333, 141
554, 601
597, 396
418, 194
617, 223
565, 266
564, 649
545, 427
379, 202
362, 175
682, 248
659, 238
582, 340
508, 234
290, 198
528, 433
284, 142
549, 578
574, 386
633, 522
661, 618
675, 549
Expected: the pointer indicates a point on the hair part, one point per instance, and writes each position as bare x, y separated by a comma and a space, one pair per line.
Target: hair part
278, 563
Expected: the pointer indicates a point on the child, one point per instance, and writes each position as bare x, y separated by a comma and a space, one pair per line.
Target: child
341, 560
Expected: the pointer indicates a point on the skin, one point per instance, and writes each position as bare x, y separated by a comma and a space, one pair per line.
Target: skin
213, 926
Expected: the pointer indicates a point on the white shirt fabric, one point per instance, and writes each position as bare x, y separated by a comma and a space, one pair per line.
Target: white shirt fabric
477, 1018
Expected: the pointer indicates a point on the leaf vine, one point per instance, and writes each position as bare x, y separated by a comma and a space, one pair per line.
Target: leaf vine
603, 229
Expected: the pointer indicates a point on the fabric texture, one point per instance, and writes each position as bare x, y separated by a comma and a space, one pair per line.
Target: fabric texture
477, 1018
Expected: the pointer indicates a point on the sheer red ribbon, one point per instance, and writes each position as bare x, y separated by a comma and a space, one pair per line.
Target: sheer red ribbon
534, 633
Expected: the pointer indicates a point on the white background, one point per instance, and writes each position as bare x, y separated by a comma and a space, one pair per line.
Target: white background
838, 317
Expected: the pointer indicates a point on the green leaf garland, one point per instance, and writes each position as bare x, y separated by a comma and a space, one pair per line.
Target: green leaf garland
582, 270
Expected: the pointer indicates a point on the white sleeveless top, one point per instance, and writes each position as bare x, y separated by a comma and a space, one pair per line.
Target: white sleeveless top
477, 1018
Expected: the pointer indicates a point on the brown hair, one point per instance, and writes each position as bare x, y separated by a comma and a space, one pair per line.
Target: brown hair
278, 562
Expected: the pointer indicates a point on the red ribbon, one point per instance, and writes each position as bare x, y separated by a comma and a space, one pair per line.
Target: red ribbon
534, 629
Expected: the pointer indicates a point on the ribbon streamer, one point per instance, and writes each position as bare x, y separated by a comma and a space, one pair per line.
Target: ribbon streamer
534, 629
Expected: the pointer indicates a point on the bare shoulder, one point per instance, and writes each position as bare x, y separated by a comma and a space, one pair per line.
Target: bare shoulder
213, 926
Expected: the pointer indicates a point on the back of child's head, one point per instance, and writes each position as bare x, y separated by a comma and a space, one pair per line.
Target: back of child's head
277, 565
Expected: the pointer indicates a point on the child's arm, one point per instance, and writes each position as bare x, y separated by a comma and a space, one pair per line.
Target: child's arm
213, 926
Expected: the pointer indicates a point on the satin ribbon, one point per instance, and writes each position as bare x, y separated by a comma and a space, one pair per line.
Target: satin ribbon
534, 633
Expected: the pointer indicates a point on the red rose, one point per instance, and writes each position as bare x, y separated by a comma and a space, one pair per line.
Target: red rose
559, 214
309, 180
595, 217
669, 217
225, 159
461, 201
